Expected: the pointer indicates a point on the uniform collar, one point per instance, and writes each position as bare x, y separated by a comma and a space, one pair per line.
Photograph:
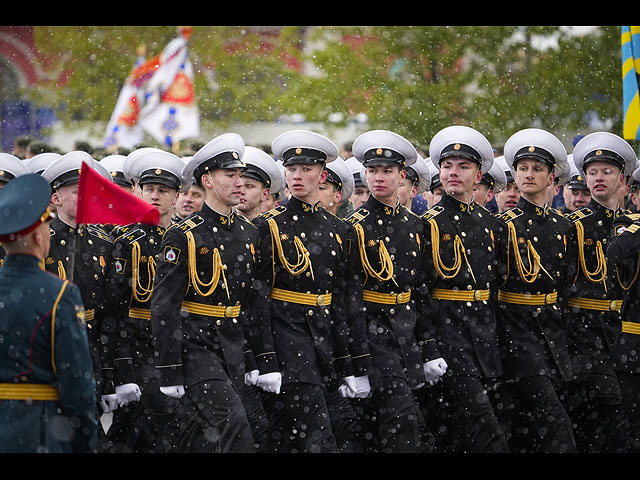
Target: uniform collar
217, 217
532, 209
376, 205
605, 211
456, 205
299, 205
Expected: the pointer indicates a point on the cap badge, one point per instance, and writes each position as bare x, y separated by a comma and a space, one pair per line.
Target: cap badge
235, 155
598, 152
532, 149
158, 171
298, 151
379, 151
456, 146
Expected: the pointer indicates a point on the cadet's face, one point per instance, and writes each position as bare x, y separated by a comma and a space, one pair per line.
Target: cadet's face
66, 200
227, 185
406, 191
576, 198
383, 181
532, 176
481, 193
253, 192
508, 198
303, 179
359, 196
434, 196
603, 179
189, 201
328, 195
160, 196
458, 175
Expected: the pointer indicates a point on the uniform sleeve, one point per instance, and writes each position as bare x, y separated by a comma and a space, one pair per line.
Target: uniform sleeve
166, 320
426, 330
74, 370
358, 337
117, 294
264, 350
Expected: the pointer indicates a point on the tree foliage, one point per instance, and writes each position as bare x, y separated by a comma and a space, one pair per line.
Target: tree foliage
412, 80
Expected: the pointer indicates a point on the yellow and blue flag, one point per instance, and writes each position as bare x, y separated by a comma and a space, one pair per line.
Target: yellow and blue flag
630, 76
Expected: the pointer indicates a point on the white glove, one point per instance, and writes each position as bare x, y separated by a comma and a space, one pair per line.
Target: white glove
270, 382
434, 369
109, 402
250, 378
128, 393
348, 388
175, 391
363, 388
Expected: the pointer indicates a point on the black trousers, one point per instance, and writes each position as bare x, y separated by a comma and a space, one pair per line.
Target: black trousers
390, 418
630, 385
150, 425
257, 416
215, 420
299, 420
458, 410
594, 404
533, 416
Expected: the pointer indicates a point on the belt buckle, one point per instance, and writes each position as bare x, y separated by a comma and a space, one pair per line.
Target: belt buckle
477, 295
320, 301
613, 305
399, 298
548, 298
228, 312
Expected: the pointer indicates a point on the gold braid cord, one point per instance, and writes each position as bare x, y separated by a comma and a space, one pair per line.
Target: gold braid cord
217, 269
61, 271
601, 268
304, 262
385, 259
458, 250
141, 294
529, 276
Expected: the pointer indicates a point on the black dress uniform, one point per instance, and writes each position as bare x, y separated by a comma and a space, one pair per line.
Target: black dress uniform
152, 423
79, 254
301, 269
47, 384
384, 301
201, 310
623, 257
532, 296
461, 268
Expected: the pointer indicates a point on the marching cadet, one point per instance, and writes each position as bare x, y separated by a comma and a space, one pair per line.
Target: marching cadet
593, 319
534, 290
623, 258
384, 291
79, 253
509, 196
360, 190
261, 180
461, 267
47, 384
39, 162
416, 181
150, 424
575, 192
335, 191
301, 270
201, 306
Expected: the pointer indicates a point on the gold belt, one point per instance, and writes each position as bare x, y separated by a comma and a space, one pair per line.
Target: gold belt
211, 310
386, 298
142, 313
89, 314
301, 298
27, 391
594, 304
631, 327
462, 295
527, 299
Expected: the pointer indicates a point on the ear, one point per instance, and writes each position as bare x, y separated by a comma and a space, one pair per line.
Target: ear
552, 178
403, 174
55, 199
205, 180
490, 194
479, 175
323, 175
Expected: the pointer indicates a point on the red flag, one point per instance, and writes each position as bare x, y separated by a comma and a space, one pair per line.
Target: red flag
101, 201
